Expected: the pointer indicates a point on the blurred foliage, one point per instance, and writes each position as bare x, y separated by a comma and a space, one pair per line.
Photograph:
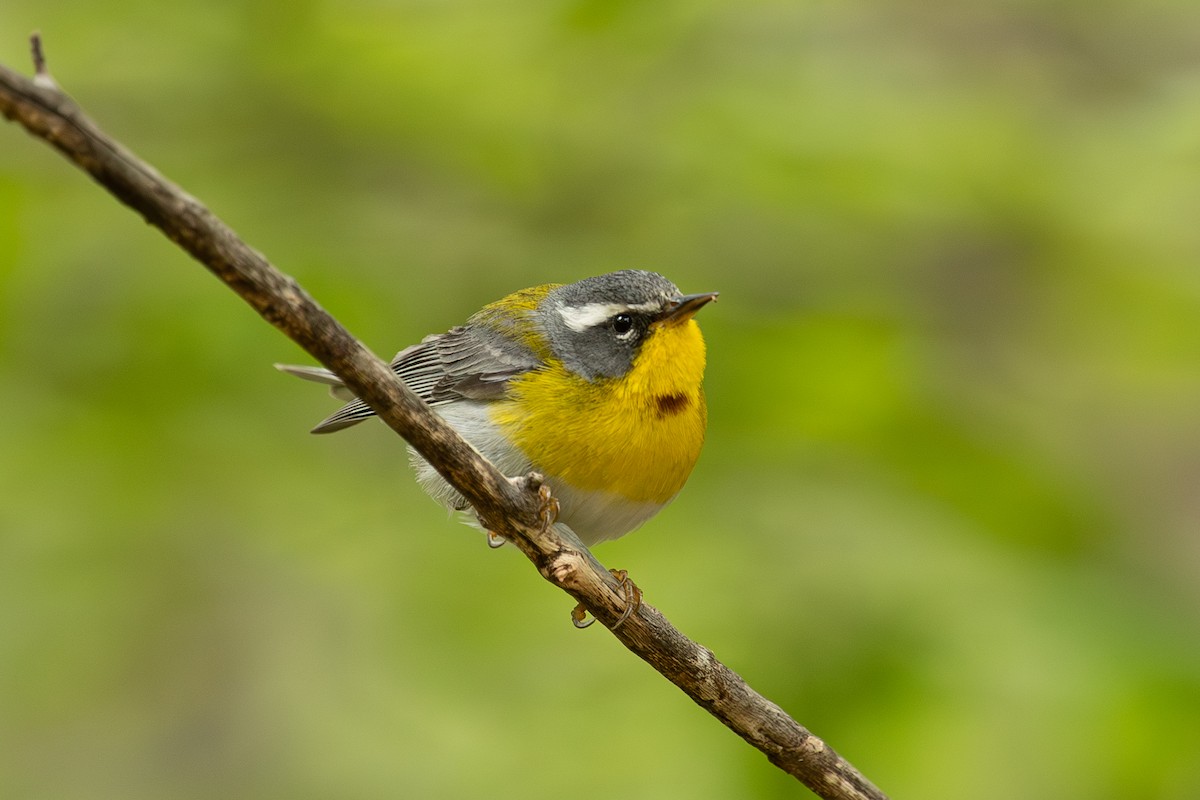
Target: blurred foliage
948, 511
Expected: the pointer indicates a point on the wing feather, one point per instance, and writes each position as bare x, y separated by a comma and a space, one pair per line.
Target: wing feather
463, 363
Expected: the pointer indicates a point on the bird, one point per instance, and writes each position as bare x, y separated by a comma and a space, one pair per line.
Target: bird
597, 385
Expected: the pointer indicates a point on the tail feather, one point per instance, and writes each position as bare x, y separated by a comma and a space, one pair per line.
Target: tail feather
354, 412
314, 374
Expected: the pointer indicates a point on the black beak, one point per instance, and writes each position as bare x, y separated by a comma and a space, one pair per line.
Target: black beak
681, 309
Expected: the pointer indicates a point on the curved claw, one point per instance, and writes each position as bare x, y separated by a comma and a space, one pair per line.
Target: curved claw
633, 602
579, 617
549, 508
633, 596
495, 540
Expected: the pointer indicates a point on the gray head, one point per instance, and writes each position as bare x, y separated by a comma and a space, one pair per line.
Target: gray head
597, 325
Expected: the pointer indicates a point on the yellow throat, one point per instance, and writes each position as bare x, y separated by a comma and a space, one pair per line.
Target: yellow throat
637, 436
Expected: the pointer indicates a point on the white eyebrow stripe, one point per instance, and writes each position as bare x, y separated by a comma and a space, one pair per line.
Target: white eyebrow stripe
580, 318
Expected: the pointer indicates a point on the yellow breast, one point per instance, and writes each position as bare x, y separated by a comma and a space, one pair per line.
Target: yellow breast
637, 436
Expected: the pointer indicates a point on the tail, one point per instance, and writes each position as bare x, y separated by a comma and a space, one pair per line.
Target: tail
354, 412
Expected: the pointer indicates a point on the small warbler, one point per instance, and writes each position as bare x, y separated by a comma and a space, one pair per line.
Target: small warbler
597, 385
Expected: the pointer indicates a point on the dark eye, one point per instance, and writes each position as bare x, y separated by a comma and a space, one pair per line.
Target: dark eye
622, 324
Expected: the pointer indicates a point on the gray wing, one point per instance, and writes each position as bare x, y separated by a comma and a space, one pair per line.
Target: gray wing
462, 363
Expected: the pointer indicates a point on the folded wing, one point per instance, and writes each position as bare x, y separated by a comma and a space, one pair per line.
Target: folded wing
463, 363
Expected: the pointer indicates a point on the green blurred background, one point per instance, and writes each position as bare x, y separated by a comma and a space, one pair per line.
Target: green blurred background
947, 514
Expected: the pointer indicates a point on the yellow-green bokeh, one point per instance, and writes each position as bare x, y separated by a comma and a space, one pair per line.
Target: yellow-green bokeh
949, 511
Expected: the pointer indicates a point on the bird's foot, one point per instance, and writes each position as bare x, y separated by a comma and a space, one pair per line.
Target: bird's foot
548, 508
633, 601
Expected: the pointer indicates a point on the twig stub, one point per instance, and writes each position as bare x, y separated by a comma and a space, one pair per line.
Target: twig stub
41, 73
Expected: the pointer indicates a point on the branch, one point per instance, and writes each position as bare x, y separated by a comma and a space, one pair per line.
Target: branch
519, 509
